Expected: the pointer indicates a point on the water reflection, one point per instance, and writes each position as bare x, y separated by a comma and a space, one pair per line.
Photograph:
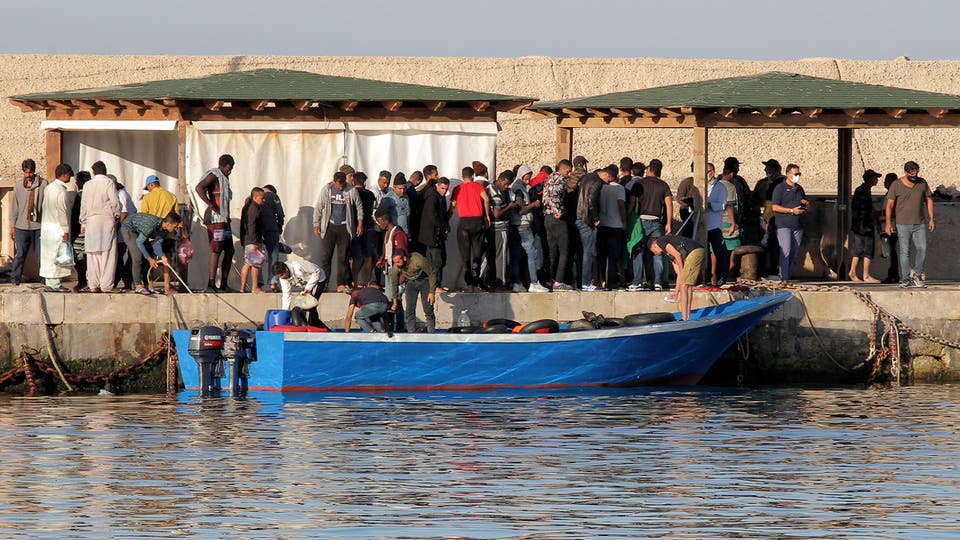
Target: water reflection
652, 463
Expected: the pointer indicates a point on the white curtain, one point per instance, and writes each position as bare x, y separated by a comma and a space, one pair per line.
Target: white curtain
297, 163
131, 156
408, 146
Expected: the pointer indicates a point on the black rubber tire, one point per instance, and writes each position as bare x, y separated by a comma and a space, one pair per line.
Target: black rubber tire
510, 324
495, 329
551, 325
640, 319
579, 325
612, 322
464, 330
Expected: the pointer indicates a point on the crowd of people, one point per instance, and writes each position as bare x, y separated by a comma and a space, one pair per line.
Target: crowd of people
572, 227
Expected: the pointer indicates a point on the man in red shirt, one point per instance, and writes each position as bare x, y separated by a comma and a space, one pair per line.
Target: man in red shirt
473, 206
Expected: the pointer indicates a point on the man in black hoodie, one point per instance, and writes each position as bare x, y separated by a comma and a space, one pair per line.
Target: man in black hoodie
431, 229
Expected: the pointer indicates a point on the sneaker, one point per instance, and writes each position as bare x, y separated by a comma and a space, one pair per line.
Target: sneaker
658, 287
561, 287
906, 283
537, 287
922, 276
518, 288
918, 283
633, 288
644, 286
589, 288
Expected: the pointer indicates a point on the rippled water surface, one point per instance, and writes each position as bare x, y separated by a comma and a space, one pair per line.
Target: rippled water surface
678, 463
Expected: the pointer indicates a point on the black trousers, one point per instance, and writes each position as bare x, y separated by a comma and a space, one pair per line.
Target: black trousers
559, 242
470, 244
610, 248
717, 246
335, 243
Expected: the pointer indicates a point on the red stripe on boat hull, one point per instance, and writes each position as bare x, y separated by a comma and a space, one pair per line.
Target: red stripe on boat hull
679, 380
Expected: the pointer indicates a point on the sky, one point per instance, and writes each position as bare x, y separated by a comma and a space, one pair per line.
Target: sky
733, 29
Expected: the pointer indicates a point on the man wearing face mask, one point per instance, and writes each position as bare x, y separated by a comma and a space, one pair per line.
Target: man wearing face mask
789, 203
906, 199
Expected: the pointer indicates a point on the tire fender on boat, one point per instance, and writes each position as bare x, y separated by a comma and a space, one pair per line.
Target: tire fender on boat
464, 329
580, 324
510, 324
543, 326
640, 319
494, 329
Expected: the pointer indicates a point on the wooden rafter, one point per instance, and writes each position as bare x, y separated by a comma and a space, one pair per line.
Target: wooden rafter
938, 113
213, 105
896, 113
812, 112
770, 112
82, 104
169, 102
479, 106
854, 113
599, 113
351, 105
259, 104
621, 112
670, 113
435, 105
648, 113
154, 104
108, 104
27, 106
573, 112
301, 104
391, 106
727, 112
59, 104
686, 110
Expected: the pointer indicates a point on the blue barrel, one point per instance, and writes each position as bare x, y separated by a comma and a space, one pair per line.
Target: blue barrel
277, 317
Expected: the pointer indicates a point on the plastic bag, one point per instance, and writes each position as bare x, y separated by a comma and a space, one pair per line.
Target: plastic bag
64, 255
255, 257
185, 251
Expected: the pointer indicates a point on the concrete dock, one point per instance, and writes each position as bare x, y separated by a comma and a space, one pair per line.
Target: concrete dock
821, 336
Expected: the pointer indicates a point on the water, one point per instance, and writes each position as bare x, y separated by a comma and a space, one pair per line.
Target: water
677, 463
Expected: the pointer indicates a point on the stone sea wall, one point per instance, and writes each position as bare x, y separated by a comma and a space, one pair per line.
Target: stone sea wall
523, 139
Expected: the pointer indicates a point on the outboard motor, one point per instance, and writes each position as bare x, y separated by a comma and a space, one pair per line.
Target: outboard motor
239, 349
206, 346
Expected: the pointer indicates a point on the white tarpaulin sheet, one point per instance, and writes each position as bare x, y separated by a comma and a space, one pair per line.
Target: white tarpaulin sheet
296, 163
408, 146
131, 156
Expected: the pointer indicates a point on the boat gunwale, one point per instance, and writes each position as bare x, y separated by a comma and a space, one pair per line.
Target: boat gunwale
761, 303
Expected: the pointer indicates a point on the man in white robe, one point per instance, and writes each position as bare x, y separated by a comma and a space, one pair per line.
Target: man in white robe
99, 210
55, 228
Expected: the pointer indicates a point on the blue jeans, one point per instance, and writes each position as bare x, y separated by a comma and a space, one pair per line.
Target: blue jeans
917, 234
22, 240
588, 237
652, 228
371, 311
531, 245
272, 241
789, 240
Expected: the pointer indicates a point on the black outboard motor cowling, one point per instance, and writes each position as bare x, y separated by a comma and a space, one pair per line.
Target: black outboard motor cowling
206, 346
239, 349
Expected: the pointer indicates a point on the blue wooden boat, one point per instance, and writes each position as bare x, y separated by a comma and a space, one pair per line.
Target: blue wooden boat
669, 353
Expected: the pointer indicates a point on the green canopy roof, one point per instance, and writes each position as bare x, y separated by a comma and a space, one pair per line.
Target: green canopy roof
273, 85
766, 90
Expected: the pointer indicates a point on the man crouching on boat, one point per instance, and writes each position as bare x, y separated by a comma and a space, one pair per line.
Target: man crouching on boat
420, 278
370, 305
687, 258
300, 272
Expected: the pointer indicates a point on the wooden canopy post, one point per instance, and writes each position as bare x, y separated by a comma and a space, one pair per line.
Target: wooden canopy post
54, 151
182, 183
564, 143
701, 147
844, 191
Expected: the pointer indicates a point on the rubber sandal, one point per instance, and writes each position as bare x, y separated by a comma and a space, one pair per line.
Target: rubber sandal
143, 291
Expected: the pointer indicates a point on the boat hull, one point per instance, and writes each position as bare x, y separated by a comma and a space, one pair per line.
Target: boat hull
672, 353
